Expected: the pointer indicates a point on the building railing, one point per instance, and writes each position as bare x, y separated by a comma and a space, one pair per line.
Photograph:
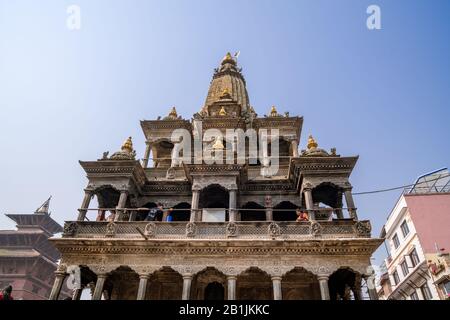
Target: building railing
133, 214
251, 230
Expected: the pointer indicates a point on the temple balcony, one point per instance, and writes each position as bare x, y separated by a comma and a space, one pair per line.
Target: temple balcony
238, 230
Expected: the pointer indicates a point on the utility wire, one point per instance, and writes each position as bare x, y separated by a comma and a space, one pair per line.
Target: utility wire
397, 188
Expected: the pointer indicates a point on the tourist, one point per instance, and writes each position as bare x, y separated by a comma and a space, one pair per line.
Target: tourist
100, 215
6, 294
302, 215
155, 213
169, 216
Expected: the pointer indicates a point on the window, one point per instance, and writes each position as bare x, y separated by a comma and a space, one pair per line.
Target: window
395, 241
414, 296
426, 292
405, 229
446, 287
414, 257
404, 267
396, 278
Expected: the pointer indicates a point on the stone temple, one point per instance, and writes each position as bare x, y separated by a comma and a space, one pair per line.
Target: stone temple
234, 231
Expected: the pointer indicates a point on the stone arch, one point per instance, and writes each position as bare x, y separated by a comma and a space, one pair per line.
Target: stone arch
121, 284
107, 196
345, 284
300, 284
254, 284
328, 193
214, 196
162, 153
256, 212
203, 279
88, 278
182, 212
285, 211
165, 284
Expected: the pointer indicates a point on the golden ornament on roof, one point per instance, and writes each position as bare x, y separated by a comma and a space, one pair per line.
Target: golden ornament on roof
173, 113
128, 145
273, 111
311, 142
228, 57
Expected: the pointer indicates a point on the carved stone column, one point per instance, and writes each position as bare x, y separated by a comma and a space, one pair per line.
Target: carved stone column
231, 280
269, 207
85, 204
307, 191
194, 204
77, 294
294, 145
323, 283
121, 205
350, 204
276, 281
147, 154
142, 290
371, 288
60, 275
101, 278
187, 280
232, 205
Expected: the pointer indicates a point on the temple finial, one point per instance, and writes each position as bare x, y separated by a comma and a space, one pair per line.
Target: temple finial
173, 113
312, 143
228, 59
128, 145
274, 112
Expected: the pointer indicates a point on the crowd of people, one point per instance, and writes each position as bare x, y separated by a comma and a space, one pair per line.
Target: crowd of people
143, 214
159, 214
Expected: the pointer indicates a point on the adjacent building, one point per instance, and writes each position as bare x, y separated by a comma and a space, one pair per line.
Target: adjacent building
418, 241
234, 230
27, 259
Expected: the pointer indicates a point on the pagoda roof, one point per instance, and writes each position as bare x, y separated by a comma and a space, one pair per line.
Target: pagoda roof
43, 220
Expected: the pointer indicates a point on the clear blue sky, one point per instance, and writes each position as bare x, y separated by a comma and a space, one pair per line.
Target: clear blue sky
70, 95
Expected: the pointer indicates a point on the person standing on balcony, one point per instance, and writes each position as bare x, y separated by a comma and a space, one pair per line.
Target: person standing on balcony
169, 216
302, 215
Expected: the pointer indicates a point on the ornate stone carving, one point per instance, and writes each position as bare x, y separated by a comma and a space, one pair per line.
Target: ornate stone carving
190, 229
307, 186
111, 229
274, 230
150, 230
363, 228
316, 229
231, 229
70, 228
170, 173
62, 268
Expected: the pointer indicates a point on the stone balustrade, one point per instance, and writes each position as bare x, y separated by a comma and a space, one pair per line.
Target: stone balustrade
264, 230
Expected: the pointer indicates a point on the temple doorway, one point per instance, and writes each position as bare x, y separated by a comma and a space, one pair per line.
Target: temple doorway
214, 291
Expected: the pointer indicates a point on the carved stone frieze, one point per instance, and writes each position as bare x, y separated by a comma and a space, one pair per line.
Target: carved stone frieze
150, 230
111, 229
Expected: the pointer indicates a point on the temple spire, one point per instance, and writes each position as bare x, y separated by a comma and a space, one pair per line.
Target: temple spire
44, 208
228, 82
